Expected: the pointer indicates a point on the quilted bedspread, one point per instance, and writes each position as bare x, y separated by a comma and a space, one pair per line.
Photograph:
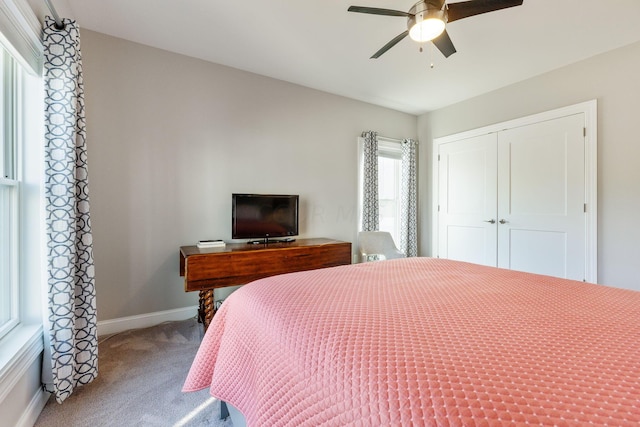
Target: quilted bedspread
423, 341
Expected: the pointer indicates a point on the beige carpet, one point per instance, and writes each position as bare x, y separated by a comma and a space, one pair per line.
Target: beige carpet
140, 374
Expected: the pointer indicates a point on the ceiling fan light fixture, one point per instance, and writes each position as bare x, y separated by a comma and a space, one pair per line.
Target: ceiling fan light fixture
426, 30
426, 23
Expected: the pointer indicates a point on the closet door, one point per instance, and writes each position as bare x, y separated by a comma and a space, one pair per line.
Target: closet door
541, 198
467, 200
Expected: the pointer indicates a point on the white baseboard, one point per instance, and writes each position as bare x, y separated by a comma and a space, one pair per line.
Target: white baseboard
113, 326
32, 412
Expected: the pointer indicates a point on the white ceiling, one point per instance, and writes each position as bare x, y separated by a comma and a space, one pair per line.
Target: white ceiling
320, 45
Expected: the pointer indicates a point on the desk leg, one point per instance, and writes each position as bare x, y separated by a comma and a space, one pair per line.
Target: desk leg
206, 308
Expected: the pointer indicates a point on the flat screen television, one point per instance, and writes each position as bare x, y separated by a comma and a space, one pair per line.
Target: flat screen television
263, 216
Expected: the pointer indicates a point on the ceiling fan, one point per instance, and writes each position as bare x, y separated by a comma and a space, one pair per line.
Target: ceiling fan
427, 18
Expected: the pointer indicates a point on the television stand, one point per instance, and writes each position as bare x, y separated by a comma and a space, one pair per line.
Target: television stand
240, 263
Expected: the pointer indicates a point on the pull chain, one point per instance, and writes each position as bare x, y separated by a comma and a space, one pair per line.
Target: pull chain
431, 55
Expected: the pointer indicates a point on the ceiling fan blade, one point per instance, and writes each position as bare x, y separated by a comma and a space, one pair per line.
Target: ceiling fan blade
466, 9
389, 45
444, 44
377, 11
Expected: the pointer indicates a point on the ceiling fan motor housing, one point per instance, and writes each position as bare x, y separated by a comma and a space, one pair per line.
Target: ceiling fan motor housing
427, 9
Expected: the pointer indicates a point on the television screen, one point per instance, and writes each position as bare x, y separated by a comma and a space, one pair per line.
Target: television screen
261, 216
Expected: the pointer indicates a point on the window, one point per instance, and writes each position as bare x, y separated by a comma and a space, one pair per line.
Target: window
9, 189
21, 181
389, 181
22, 252
389, 185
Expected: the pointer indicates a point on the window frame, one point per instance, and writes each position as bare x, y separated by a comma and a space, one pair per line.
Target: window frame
11, 91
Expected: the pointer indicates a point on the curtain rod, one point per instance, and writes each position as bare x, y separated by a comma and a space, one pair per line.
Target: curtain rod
56, 17
386, 138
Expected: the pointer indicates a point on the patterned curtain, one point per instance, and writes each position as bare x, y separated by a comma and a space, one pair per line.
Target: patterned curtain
409, 199
71, 345
370, 205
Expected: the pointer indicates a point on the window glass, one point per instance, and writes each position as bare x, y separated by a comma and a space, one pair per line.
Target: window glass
6, 262
389, 178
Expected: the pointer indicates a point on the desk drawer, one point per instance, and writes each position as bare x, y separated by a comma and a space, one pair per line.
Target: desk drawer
213, 270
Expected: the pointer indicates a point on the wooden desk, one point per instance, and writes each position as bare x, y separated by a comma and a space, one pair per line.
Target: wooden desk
240, 263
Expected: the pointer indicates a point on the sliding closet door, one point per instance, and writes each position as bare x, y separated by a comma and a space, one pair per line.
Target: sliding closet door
541, 198
467, 200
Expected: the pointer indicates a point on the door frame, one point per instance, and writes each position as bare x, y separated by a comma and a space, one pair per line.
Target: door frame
590, 111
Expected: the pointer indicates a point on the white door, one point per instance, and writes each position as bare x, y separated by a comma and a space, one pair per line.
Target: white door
467, 200
515, 198
541, 198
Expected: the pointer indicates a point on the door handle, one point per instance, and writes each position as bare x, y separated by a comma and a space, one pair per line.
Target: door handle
490, 221
503, 221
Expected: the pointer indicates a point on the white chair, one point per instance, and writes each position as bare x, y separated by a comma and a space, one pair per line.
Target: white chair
377, 245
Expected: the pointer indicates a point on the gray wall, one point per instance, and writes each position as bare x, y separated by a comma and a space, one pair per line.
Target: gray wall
612, 79
171, 137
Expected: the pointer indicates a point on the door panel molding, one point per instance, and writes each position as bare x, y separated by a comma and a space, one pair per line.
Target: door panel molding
470, 165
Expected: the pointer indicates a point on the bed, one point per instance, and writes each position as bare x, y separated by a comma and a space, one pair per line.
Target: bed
424, 341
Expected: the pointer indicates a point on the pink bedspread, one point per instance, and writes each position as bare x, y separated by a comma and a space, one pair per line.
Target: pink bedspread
424, 341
